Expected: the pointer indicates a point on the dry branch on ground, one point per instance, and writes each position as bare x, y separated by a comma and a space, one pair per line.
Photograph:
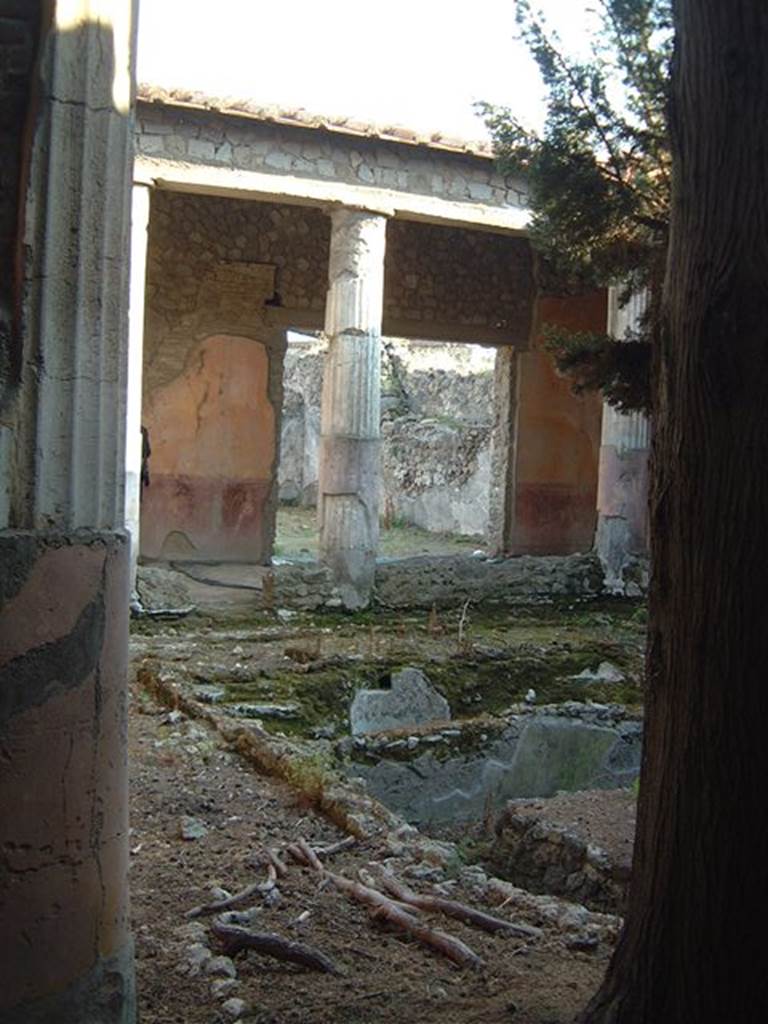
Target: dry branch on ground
235, 938
382, 907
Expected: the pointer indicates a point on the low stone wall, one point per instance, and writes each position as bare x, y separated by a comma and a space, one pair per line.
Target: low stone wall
449, 580
550, 857
444, 581
461, 772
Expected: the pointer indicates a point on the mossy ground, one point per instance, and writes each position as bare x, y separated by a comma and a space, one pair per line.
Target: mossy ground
482, 666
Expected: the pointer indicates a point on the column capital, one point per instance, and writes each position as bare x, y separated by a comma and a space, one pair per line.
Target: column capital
367, 209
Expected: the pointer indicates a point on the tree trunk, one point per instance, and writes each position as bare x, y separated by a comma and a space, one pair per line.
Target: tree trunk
694, 948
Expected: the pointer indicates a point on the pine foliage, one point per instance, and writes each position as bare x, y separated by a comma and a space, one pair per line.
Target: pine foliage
599, 177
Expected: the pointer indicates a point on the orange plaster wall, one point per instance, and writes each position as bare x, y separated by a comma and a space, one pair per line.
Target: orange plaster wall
212, 433
558, 441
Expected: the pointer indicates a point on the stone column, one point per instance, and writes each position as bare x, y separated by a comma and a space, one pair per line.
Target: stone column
64, 936
348, 489
621, 539
139, 229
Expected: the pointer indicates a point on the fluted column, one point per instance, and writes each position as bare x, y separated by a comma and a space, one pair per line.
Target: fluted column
65, 946
348, 498
622, 524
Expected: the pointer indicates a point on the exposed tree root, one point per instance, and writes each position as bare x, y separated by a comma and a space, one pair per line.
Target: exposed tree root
216, 906
330, 851
234, 938
451, 908
381, 907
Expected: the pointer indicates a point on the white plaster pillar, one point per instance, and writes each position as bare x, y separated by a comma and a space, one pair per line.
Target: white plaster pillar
622, 494
139, 229
348, 493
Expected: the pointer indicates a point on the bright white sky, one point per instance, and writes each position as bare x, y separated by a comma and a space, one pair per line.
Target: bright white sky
420, 63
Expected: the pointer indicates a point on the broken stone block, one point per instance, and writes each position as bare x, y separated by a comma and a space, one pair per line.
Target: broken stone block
210, 694
606, 672
411, 700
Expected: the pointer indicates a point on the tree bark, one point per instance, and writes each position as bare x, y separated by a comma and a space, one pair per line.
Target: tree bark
694, 947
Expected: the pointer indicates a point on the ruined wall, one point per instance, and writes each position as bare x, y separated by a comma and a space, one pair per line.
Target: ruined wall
436, 474
437, 409
558, 441
300, 424
213, 367
441, 380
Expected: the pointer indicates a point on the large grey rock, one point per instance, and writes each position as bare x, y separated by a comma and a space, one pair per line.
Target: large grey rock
534, 755
411, 700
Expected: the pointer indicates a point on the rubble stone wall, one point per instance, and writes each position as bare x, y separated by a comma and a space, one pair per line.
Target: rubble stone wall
213, 263
441, 279
545, 857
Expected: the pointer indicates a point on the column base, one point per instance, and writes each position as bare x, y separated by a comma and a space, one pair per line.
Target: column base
106, 994
66, 948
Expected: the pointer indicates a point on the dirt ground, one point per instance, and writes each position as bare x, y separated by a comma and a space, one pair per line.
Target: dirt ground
179, 769
184, 777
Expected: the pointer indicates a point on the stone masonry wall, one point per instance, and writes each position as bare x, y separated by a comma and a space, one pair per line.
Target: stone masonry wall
445, 581
209, 137
194, 240
443, 278
441, 282
543, 856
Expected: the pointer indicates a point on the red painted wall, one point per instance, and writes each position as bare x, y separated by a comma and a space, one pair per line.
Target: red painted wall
212, 432
558, 441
